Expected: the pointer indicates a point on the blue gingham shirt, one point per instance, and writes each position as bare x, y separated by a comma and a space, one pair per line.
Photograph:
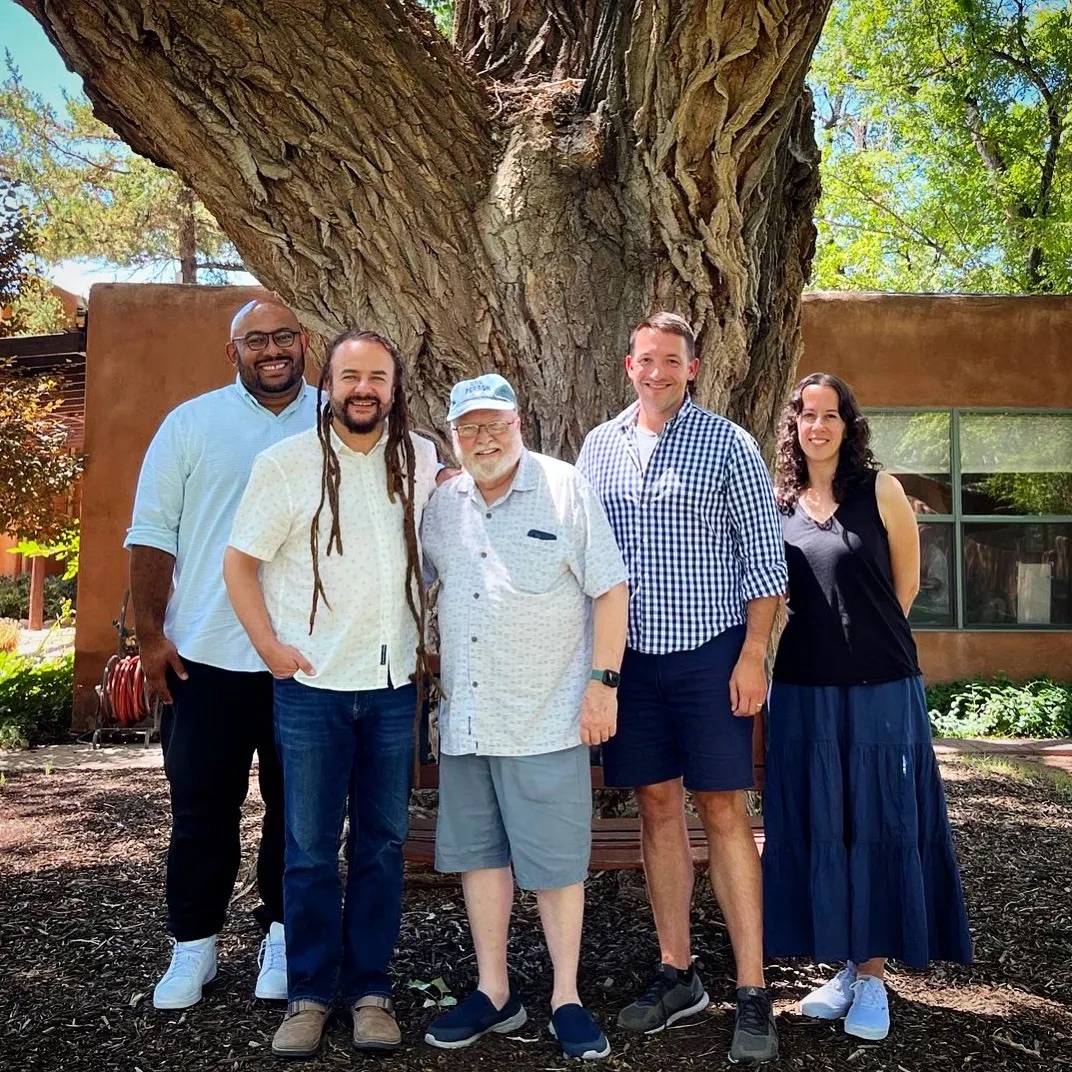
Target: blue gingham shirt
698, 528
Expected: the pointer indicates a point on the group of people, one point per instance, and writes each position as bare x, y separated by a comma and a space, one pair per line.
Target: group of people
285, 547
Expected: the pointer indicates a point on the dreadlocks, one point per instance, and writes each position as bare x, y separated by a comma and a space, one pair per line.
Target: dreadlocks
401, 471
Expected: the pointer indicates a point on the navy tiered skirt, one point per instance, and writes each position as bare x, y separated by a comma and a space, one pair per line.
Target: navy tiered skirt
858, 858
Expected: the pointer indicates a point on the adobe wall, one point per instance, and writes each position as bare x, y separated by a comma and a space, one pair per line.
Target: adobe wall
953, 350
149, 347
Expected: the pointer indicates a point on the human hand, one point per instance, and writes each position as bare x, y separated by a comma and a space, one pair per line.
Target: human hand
284, 661
157, 653
748, 685
446, 474
599, 713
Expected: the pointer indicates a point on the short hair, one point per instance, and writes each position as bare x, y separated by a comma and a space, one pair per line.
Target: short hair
669, 322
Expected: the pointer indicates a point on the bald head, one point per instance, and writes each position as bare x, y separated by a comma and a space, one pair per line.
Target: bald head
267, 347
270, 307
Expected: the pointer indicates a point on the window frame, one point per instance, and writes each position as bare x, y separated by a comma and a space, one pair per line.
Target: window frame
958, 519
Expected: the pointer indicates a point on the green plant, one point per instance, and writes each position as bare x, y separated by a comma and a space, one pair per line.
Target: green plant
9, 634
436, 993
63, 549
15, 597
35, 699
1001, 708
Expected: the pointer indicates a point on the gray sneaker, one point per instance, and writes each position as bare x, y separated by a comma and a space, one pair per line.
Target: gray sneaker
755, 1036
667, 1000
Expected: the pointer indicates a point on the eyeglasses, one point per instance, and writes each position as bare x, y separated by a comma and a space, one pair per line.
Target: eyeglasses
258, 340
471, 431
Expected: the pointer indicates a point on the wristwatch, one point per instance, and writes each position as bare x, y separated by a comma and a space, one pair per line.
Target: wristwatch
611, 678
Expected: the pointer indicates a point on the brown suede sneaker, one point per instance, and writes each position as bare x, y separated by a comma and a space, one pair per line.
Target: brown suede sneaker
375, 1027
301, 1030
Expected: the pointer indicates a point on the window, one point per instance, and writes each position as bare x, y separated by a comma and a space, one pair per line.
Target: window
993, 491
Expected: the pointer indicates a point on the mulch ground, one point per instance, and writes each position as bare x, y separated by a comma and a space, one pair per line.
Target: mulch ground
81, 945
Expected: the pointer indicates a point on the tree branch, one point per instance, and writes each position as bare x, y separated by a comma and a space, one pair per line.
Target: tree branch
316, 110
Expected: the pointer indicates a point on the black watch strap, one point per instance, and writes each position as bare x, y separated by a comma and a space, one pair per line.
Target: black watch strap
611, 678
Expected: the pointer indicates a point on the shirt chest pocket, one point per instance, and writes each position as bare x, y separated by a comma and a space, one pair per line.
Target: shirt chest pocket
537, 564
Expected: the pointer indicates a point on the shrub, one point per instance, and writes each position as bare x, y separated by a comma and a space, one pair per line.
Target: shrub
35, 699
9, 634
15, 596
1001, 708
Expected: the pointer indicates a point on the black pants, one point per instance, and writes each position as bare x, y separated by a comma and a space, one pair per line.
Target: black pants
218, 720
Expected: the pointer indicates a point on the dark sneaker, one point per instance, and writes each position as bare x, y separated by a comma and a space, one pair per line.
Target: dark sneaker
755, 1036
577, 1033
474, 1017
668, 999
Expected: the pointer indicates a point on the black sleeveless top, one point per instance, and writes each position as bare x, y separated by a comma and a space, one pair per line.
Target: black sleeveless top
845, 624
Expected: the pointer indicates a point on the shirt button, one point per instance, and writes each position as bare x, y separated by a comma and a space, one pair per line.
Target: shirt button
473, 639
476, 595
474, 684
488, 515
483, 554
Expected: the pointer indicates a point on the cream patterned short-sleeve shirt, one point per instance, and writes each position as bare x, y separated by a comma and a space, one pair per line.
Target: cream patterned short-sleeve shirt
515, 607
364, 636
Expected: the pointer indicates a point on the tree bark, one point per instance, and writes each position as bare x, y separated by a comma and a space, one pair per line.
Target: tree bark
515, 203
187, 236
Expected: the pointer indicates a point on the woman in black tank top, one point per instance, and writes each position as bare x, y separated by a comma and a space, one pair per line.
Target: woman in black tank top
858, 861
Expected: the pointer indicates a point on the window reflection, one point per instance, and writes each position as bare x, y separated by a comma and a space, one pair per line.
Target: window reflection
1017, 574
934, 605
1016, 463
914, 447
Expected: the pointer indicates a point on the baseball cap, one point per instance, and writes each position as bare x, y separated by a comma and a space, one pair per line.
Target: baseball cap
489, 391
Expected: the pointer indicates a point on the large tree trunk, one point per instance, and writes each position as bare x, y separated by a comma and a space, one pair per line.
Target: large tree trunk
513, 202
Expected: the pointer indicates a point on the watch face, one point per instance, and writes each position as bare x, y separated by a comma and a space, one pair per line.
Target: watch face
611, 678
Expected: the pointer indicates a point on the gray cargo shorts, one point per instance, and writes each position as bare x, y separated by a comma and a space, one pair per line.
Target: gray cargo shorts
534, 812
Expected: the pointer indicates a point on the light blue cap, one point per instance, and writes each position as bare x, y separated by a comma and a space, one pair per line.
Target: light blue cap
490, 391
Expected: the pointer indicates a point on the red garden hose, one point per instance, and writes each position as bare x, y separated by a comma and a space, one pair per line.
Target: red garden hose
124, 694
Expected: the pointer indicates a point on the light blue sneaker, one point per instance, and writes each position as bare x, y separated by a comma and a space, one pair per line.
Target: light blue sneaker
869, 1017
833, 999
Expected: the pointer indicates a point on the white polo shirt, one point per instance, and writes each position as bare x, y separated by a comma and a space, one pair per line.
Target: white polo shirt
364, 636
515, 607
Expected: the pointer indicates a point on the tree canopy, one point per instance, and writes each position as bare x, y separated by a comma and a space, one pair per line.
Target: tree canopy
947, 161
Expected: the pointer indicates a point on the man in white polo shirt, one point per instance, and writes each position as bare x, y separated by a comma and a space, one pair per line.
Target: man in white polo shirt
532, 616
196, 655
324, 572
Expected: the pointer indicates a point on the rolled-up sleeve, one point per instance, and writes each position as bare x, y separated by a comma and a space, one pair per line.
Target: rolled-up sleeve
161, 488
264, 516
757, 527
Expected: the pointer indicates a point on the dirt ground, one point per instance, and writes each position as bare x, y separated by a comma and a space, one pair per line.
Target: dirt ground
81, 945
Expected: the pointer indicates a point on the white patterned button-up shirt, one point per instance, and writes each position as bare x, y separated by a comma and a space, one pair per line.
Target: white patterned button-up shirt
364, 636
515, 607
698, 526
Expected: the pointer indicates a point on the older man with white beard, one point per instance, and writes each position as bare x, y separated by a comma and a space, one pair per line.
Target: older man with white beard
532, 615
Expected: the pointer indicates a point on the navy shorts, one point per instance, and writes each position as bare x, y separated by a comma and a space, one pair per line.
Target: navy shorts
675, 721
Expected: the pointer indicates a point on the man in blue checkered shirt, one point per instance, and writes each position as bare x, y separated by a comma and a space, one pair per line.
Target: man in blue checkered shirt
691, 505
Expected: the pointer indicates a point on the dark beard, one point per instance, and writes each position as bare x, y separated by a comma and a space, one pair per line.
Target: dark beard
358, 426
252, 382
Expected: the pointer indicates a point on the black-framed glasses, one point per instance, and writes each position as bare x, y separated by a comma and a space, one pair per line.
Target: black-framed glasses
258, 340
495, 428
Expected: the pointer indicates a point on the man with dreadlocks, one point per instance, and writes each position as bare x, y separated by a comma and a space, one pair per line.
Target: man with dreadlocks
532, 614
324, 572
197, 657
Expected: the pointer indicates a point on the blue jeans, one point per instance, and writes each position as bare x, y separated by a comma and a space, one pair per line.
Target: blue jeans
335, 745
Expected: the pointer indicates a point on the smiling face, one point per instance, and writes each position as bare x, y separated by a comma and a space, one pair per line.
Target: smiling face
273, 374
820, 426
489, 457
362, 385
660, 369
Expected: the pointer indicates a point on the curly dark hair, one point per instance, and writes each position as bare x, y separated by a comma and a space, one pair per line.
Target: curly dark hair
854, 458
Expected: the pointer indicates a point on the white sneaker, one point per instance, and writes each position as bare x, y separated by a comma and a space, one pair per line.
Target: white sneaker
192, 965
833, 999
272, 960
